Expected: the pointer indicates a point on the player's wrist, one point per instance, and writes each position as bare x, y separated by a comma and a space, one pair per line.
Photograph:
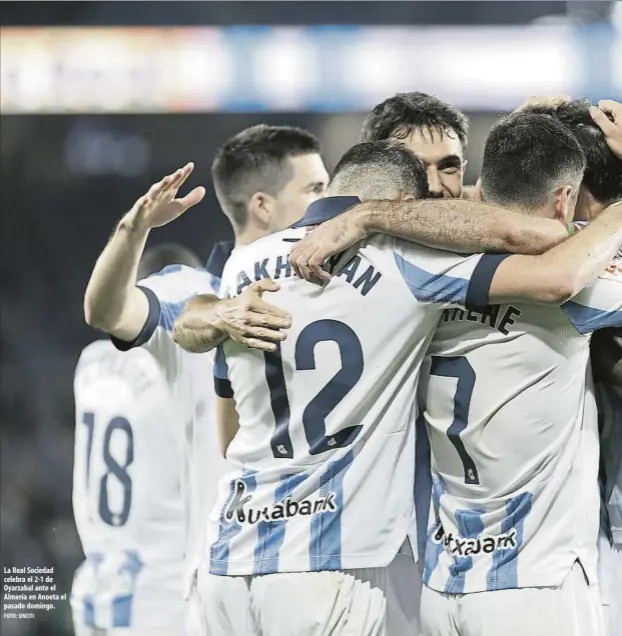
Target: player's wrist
130, 223
365, 218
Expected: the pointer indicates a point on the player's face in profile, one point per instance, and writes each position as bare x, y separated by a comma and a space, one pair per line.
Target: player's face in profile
308, 183
444, 160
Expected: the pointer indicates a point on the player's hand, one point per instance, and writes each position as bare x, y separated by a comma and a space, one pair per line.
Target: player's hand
332, 237
159, 206
552, 101
251, 321
603, 115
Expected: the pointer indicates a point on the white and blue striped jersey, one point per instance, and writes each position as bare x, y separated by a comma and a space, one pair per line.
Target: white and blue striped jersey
324, 456
126, 492
189, 380
609, 401
511, 414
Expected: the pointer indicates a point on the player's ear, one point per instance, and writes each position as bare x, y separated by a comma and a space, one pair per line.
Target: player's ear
565, 201
407, 196
260, 209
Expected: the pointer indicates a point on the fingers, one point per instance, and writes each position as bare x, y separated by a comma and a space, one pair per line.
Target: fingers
264, 285
266, 315
308, 263
180, 176
192, 198
262, 345
316, 265
170, 181
264, 326
612, 107
602, 121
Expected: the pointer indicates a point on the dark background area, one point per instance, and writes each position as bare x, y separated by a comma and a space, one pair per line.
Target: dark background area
65, 180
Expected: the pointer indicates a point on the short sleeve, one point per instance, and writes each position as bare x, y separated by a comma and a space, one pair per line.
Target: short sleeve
167, 293
222, 384
599, 305
446, 278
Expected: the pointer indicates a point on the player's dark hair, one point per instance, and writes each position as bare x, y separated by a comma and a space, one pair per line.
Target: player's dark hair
526, 158
155, 259
256, 160
377, 169
603, 170
399, 115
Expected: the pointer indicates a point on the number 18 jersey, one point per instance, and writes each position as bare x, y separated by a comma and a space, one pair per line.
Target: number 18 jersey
325, 450
127, 492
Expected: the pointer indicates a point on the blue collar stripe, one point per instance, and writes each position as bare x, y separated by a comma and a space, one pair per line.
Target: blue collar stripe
325, 209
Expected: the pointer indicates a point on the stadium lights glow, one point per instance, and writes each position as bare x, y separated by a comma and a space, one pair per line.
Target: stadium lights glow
143, 70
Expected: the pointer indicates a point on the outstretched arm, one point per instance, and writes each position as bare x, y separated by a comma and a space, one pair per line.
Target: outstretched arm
206, 321
112, 301
456, 225
561, 273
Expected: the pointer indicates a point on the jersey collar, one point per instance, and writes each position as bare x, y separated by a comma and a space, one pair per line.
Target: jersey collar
218, 257
325, 209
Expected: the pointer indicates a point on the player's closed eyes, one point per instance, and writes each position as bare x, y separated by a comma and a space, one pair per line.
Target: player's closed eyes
451, 170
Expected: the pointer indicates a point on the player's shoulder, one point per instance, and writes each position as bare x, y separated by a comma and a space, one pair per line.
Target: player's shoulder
181, 280
273, 246
94, 351
104, 350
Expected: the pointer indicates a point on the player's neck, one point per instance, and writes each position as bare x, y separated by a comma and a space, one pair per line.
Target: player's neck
249, 235
588, 208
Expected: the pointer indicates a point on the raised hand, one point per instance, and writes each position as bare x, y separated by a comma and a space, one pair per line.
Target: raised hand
608, 117
159, 206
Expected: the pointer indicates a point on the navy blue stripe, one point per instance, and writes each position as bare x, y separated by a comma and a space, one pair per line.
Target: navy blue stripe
221, 369
218, 257
223, 388
478, 292
151, 324
325, 209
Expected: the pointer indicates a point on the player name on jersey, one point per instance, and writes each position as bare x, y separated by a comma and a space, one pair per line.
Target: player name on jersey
493, 316
358, 272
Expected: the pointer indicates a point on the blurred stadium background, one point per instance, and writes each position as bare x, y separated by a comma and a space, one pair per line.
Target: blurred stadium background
100, 99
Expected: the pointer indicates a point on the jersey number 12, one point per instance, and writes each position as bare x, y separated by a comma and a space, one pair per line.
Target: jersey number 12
319, 408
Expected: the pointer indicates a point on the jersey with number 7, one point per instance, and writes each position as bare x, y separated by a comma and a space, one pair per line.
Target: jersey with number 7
513, 429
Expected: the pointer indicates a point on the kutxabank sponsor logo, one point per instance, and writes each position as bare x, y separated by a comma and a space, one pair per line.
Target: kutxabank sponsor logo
241, 511
484, 543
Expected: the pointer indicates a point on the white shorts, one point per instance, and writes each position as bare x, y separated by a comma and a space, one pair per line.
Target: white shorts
362, 602
573, 609
194, 614
610, 583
